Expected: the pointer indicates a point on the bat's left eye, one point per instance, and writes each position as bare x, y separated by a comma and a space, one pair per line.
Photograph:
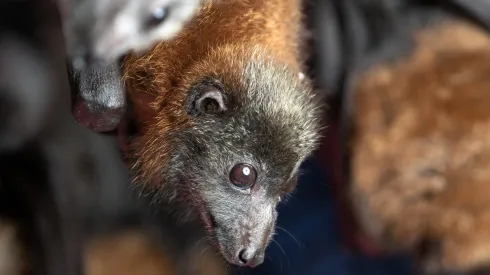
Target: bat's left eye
243, 175
158, 16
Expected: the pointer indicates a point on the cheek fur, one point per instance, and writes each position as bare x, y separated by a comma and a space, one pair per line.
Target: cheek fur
198, 204
209, 225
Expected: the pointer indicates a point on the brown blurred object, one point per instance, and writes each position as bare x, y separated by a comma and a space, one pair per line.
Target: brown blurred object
126, 254
209, 263
407, 137
11, 255
131, 253
420, 154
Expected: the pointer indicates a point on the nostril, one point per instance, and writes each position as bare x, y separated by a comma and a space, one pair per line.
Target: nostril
249, 257
242, 257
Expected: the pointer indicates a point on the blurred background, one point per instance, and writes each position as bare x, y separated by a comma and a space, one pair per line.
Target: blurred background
310, 238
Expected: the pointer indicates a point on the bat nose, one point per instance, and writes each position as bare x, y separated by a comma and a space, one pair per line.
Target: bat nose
250, 257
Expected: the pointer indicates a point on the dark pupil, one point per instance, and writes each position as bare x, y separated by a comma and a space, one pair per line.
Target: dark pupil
158, 16
243, 175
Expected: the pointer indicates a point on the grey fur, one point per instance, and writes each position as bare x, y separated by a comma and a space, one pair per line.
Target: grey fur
107, 78
108, 29
105, 30
271, 123
101, 100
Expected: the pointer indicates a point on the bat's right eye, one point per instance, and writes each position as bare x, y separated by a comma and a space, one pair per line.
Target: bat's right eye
158, 16
243, 175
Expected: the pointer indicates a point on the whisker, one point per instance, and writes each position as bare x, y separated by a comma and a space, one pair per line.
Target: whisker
226, 269
289, 263
300, 245
200, 241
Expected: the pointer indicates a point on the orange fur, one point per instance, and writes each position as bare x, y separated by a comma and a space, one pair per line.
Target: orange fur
421, 156
218, 42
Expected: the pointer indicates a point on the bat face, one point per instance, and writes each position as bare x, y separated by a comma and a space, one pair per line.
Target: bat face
225, 120
98, 33
230, 155
240, 156
419, 150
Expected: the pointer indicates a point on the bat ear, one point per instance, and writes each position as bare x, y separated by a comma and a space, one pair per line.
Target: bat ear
478, 10
208, 101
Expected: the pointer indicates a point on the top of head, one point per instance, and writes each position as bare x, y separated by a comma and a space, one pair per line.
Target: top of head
107, 29
226, 119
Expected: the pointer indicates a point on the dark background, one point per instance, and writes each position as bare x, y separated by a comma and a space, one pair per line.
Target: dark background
312, 244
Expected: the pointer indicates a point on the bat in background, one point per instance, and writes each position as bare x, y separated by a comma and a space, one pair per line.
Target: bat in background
98, 34
411, 126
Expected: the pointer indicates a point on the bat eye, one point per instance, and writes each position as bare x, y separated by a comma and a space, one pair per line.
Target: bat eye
243, 175
158, 16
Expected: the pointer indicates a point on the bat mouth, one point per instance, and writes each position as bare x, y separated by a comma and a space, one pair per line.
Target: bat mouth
209, 222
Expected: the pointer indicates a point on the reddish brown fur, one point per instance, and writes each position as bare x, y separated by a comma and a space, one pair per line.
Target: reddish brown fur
219, 42
421, 155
